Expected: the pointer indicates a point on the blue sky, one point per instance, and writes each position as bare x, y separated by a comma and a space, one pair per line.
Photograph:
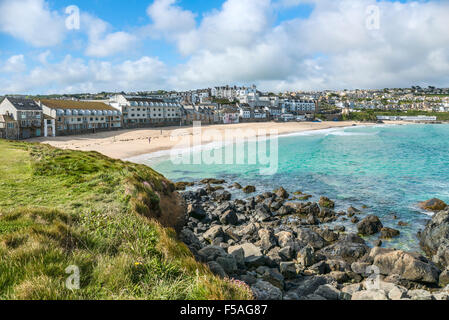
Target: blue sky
185, 44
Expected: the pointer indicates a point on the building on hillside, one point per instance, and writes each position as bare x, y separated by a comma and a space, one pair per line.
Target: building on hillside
297, 106
274, 112
229, 115
21, 118
245, 112
260, 114
147, 111
73, 117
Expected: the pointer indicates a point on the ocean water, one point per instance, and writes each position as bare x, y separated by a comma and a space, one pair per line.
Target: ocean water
387, 168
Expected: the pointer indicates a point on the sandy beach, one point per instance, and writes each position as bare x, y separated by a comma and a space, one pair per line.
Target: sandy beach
125, 144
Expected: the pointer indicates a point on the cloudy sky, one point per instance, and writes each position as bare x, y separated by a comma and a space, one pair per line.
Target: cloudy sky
71, 46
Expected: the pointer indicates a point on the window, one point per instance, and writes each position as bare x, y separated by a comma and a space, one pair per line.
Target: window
11, 125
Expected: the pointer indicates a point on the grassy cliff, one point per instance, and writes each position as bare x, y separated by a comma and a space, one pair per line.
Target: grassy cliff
115, 221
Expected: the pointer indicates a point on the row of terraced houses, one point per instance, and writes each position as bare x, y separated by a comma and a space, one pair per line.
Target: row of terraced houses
28, 118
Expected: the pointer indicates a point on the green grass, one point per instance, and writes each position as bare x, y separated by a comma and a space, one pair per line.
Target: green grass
111, 219
372, 115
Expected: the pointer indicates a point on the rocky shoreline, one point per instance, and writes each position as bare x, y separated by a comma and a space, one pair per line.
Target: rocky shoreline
284, 249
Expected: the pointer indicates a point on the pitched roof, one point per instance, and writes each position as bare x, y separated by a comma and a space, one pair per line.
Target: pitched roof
136, 99
78, 105
22, 104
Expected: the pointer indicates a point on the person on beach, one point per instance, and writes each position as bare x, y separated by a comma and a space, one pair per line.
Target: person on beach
149, 140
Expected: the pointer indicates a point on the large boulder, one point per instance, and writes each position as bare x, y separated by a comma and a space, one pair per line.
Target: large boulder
310, 237
229, 217
286, 239
435, 237
326, 203
252, 254
408, 266
349, 249
370, 225
212, 181
434, 205
212, 233
196, 211
388, 233
211, 253
262, 212
372, 295
221, 195
249, 189
264, 290
267, 239
281, 193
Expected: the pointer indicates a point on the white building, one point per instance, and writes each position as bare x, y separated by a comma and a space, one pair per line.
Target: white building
146, 111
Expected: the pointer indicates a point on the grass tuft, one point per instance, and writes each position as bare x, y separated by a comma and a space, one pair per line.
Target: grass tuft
115, 221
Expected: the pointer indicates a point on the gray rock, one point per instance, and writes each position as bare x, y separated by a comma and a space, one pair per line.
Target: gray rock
275, 278
288, 269
306, 257
221, 195
228, 263
370, 225
352, 288
229, 217
370, 295
360, 267
444, 278
388, 233
262, 213
310, 237
345, 250
310, 284
239, 256
264, 290
320, 268
434, 205
328, 292
196, 211
190, 239
286, 239
397, 293
420, 295
281, 193
217, 269
249, 189
253, 255
212, 233
286, 253
442, 296
409, 266
436, 235
267, 239
211, 253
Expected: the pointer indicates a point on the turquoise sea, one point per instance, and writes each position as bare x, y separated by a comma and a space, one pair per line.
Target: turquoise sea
387, 168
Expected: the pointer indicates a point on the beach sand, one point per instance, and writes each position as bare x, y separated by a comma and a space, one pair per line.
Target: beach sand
125, 144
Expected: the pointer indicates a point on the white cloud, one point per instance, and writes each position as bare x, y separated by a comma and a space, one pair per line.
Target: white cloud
169, 18
31, 21
73, 75
14, 64
241, 42
101, 43
332, 48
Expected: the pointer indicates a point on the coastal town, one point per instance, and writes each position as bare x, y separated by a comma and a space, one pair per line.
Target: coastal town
24, 117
